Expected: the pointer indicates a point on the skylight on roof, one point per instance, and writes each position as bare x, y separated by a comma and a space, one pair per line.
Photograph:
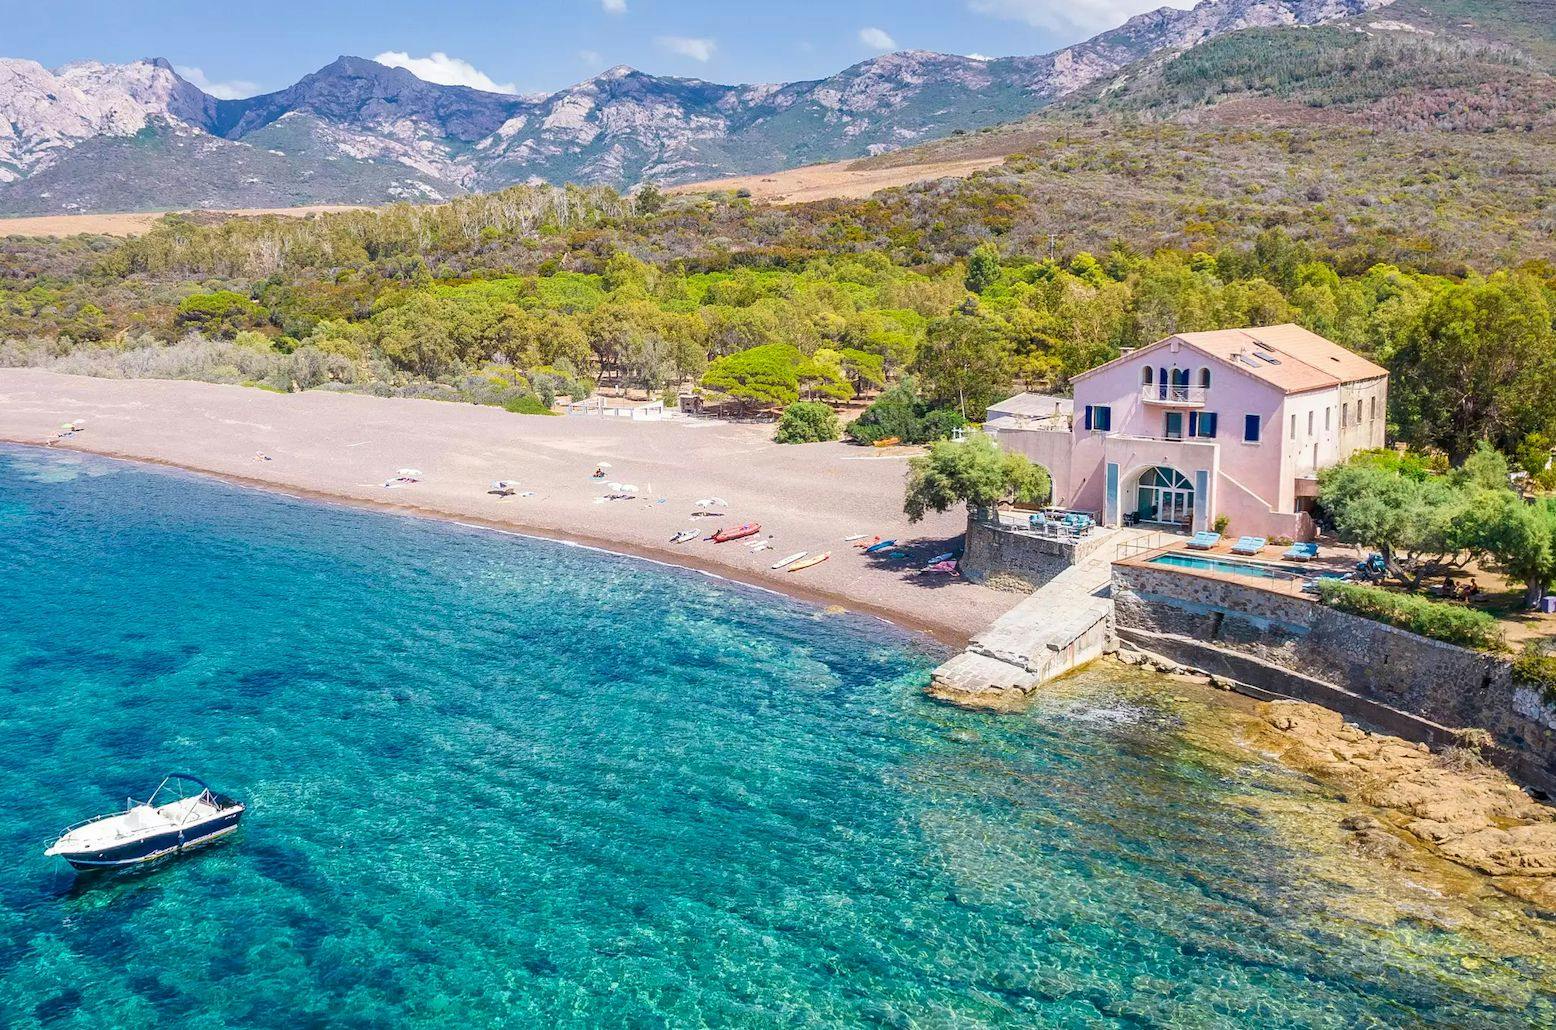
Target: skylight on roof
1245, 359
1266, 356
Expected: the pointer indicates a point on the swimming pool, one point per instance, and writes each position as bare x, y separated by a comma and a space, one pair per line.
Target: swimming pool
1249, 570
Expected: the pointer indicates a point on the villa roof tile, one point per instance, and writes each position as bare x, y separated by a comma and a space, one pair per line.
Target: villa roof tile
1288, 357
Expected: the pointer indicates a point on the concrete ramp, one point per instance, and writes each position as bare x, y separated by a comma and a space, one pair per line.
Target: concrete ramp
1061, 627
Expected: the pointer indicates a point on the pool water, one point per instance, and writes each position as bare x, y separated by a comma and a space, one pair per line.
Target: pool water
1231, 567
499, 781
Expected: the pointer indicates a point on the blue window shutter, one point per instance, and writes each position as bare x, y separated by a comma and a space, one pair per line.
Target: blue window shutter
1105, 417
1251, 428
1087, 421
1207, 422
1193, 423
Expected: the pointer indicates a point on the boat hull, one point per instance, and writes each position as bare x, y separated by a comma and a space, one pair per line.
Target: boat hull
155, 846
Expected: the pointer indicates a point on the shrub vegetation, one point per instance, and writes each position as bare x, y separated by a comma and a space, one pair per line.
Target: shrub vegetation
808, 422
1450, 623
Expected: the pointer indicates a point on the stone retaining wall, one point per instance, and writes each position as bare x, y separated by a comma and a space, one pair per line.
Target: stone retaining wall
1008, 559
1442, 683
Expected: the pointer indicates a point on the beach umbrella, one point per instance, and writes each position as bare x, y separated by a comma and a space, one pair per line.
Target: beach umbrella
629, 488
603, 465
614, 487
410, 472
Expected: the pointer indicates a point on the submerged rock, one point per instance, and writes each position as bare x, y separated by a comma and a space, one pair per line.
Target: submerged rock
1466, 810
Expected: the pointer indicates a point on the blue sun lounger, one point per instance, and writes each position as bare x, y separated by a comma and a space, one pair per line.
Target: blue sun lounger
1249, 545
1205, 540
1301, 552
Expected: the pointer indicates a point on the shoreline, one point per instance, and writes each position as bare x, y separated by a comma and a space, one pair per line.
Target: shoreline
823, 599
340, 448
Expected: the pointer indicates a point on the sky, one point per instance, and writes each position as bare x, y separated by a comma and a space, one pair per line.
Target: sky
239, 49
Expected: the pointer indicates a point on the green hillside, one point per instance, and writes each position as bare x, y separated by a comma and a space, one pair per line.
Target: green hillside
1381, 74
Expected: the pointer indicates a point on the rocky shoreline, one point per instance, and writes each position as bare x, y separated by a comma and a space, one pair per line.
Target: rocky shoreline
1450, 803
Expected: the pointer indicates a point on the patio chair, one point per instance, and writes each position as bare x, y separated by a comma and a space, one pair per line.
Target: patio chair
1249, 545
1205, 540
1301, 552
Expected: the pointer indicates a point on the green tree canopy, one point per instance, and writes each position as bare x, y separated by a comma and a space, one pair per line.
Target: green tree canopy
974, 472
1477, 363
1421, 526
762, 377
963, 364
1519, 540
221, 314
983, 267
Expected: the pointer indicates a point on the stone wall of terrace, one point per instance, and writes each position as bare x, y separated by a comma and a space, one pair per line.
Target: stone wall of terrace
1444, 684
1008, 557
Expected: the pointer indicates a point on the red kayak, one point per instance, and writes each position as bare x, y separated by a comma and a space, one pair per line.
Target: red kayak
724, 536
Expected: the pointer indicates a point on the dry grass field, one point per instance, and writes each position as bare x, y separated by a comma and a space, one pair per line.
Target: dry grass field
134, 223
850, 180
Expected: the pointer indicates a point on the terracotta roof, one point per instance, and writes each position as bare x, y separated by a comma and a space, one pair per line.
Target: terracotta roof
1288, 357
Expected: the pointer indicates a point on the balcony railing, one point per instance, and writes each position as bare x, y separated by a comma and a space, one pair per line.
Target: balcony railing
1180, 396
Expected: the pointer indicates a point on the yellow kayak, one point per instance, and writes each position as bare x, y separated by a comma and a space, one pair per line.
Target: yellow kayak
808, 562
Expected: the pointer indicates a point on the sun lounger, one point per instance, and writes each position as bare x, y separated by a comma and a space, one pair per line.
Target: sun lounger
1205, 540
1249, 545
1301, 552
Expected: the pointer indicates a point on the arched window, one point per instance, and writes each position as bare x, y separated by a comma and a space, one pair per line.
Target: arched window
1165, 478
1204, 379
1146, 376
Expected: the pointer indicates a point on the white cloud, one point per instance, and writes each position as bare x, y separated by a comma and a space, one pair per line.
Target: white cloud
593, 58
230, 90
614, 6
877, 39
695, 48
444, 70
1071, 15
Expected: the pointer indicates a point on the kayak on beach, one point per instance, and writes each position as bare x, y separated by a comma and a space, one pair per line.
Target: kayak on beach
808, 562
724, 536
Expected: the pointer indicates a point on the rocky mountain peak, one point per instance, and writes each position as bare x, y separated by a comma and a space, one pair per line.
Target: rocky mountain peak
356, 120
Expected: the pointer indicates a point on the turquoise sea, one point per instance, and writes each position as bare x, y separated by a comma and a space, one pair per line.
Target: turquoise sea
503, 782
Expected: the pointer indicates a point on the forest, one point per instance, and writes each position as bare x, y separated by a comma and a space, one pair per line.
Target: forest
523, 296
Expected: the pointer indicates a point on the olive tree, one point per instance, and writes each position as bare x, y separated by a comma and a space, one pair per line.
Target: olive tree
974, 472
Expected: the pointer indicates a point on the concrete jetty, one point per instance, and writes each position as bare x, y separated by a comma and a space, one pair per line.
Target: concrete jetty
1063, 625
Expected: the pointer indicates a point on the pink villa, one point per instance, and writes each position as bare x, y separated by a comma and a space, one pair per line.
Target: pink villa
1236, 422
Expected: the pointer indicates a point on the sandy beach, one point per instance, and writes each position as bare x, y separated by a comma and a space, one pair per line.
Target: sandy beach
346, 447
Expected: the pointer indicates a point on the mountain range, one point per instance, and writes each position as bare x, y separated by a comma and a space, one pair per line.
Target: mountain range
100, 137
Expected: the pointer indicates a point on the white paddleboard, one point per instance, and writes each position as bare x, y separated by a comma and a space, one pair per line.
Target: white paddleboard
790, 560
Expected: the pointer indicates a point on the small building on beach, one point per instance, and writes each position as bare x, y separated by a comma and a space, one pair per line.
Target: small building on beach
1234, 422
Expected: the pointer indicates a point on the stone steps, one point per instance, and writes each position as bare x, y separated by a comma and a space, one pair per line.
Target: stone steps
970, 675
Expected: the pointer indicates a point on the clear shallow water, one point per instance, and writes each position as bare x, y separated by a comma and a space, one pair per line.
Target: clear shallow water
499, 781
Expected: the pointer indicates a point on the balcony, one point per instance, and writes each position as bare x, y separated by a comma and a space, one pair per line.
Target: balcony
1174, 396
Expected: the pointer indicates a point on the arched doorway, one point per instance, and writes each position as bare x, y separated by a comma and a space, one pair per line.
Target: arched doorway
1164, 495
